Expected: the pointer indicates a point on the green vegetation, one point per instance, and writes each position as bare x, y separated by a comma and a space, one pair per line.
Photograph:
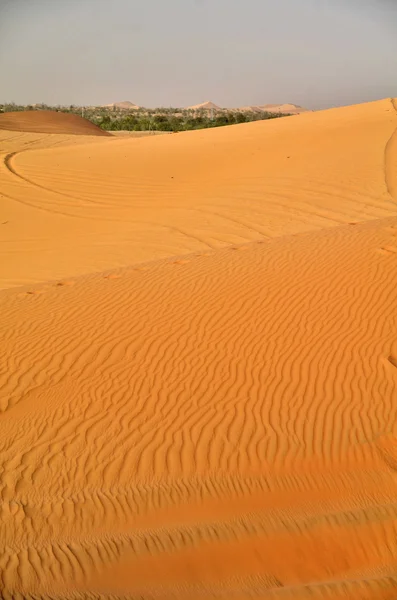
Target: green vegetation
179, 121
158, 119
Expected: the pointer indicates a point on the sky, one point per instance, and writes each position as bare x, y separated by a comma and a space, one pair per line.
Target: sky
315, 53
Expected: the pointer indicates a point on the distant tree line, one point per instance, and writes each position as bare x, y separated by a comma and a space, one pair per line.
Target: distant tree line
158, 119
179, 122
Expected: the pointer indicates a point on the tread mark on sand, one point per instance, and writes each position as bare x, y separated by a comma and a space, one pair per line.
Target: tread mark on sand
7, 163
11, 168
391, 159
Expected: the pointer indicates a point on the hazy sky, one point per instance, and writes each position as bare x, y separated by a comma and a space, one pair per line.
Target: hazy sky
316, 53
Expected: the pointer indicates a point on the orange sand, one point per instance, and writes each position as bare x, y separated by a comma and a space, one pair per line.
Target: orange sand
46, 121
90, 207
199, 374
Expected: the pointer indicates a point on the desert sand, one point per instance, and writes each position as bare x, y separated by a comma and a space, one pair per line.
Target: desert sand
46, 121
199, 361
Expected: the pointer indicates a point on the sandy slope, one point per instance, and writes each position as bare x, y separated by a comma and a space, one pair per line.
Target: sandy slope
74, 210
47, 121
213, 424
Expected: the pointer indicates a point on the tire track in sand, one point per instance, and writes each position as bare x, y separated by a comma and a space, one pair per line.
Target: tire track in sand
391, 159
8, 164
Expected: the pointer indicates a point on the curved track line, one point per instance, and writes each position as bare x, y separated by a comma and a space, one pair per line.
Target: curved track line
11, 168
8, 165
391, 160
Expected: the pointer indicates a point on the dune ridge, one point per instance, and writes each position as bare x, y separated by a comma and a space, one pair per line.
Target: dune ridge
216, 418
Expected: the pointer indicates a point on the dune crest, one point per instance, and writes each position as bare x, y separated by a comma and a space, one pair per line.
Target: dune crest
205, 106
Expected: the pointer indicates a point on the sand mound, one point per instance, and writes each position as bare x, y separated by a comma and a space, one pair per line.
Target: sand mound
125, 105
292, 109
220, 422
204, 106
113, 202
47, 121
213, 425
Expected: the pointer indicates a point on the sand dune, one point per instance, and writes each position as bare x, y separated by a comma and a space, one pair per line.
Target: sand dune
205, 106
47, 121
287, 109
292, 109
125, 105
140, 200
212, 413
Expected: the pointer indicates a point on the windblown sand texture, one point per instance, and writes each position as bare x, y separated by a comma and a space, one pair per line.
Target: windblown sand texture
199, 362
